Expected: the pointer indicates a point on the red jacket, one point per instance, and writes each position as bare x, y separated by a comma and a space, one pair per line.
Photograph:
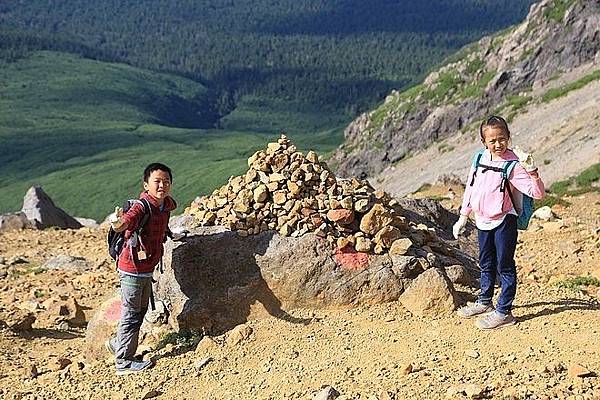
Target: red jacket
152, 237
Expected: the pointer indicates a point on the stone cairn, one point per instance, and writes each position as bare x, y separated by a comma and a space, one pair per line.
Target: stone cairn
294, 194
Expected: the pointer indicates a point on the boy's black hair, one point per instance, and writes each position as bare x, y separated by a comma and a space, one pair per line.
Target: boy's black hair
494, 120
157, 167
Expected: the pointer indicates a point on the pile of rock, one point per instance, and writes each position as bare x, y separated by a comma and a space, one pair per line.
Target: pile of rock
294, 194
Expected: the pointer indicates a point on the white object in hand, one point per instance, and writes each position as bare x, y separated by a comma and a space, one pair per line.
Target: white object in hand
526, 159
115, 218
459, 226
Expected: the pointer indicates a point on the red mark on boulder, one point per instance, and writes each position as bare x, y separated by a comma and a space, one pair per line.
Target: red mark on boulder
350, 259
113, 311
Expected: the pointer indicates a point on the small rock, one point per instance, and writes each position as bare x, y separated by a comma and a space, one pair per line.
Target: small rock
400, 246
429, 294
60, 364
327, 393
341, 216
151, 394
67, 263
20, 320
29, 305
472, 353
206, 346
238, 335
63, 326
473, 391
543, 213
199, 364
460, 275
17, 260
363, 245
14, 221
33, 371
407, 369
554, 368
577, 370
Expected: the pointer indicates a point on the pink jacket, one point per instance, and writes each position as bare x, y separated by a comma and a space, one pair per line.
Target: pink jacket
485, 197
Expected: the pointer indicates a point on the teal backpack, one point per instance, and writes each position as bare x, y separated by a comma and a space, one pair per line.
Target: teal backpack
527, 206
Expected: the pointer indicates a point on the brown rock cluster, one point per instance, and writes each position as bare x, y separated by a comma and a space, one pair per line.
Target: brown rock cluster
293, 193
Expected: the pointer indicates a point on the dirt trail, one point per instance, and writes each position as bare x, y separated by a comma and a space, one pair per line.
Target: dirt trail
379, 352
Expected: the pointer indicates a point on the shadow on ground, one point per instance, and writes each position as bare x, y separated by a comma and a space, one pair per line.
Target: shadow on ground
556, 307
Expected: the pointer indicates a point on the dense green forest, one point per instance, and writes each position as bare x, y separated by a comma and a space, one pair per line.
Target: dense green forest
90, 92
340, 54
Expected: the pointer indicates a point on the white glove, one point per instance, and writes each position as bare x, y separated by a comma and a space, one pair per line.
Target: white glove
525, 159
115, 218
459, 226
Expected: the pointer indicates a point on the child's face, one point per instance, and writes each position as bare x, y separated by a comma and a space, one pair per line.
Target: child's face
495, 139
158, 185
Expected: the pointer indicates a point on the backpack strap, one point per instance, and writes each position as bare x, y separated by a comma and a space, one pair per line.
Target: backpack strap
136, 233
509, 166
147, 213
475, 164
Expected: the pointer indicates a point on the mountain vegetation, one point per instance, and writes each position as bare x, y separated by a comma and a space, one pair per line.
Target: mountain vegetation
91, 92
342, 54
499, 74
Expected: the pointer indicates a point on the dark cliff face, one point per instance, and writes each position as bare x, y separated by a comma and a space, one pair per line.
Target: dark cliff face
495, 75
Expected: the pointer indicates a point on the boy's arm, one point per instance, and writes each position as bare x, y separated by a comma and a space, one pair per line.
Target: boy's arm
130, 220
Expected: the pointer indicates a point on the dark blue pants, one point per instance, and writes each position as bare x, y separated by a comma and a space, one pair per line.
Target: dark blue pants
497, 255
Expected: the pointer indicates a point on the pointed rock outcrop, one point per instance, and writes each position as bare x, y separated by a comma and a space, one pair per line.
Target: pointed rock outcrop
41, 211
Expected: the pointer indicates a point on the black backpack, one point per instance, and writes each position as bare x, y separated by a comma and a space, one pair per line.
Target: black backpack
116, 240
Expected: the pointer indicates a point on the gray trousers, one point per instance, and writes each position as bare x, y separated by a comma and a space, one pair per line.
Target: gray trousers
135, 295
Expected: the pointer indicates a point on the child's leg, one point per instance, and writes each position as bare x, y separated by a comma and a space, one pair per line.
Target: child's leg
487, 265
134, 304
506, 243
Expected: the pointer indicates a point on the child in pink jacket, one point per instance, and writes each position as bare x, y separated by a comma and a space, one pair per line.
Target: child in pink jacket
489, 197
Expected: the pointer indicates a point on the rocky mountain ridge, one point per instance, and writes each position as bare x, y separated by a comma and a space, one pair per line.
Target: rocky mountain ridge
498, 74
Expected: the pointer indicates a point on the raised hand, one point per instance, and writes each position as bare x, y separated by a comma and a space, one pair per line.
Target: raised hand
525, 159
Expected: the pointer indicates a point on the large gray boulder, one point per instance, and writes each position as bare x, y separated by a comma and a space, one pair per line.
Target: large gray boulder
216, 279
42, 212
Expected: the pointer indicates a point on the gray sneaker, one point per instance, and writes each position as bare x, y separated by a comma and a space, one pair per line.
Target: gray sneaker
133, 367
495, 320
473, 309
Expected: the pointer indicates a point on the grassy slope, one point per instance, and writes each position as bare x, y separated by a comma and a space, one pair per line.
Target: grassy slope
84, 130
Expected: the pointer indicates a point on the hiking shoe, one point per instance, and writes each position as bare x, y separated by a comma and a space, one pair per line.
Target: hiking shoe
495, 320
132, 367
473, 309
108, 345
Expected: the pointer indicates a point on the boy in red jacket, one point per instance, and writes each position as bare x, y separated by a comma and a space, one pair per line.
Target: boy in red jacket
136, 262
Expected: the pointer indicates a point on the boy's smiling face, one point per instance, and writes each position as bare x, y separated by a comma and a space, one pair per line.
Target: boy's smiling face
495, 139
158, 185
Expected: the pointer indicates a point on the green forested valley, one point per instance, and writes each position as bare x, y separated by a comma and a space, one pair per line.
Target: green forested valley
90, 92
